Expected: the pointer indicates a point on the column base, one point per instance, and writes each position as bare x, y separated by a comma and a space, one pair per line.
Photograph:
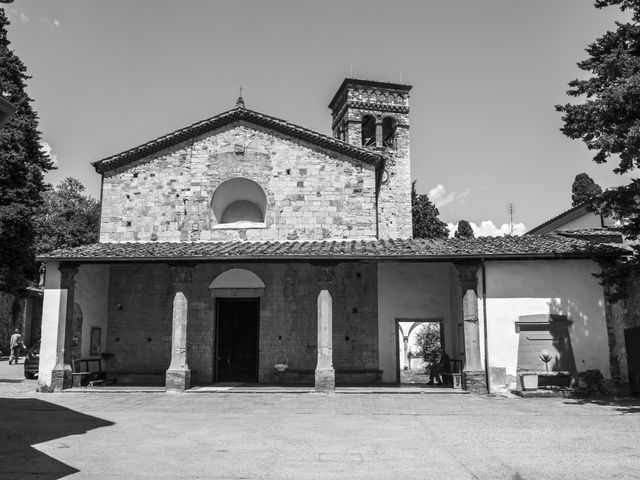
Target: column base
61, 379
178, 380
325, 380
475, 382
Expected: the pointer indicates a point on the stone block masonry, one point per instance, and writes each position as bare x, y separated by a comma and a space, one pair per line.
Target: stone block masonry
357, 101
311, 194
140, 312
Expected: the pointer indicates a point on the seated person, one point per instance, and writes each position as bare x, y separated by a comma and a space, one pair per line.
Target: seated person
443, 366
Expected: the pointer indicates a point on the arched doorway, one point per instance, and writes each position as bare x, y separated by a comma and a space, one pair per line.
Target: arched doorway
237, 293
419, 342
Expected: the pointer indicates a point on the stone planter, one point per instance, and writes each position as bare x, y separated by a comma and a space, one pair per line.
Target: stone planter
529, 381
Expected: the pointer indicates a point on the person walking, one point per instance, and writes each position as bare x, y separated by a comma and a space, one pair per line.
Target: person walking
15, 344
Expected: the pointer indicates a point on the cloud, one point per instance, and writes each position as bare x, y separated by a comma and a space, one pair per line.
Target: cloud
15, 15
47, 151
488, 229
439, 196
52, 23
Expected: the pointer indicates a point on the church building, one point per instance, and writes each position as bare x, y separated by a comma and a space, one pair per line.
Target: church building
243, 242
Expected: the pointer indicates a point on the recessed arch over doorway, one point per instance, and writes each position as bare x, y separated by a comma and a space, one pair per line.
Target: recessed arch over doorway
236, 295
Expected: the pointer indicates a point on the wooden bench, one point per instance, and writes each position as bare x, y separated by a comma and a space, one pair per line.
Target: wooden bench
88, 372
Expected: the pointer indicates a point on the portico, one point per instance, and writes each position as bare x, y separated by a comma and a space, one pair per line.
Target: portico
332, 316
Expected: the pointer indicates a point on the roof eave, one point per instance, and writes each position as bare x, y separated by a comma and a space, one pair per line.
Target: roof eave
238, 114
253, 258
367, 83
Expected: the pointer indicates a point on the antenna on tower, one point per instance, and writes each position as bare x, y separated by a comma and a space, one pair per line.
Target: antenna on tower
400, 75
351, 70
510, 207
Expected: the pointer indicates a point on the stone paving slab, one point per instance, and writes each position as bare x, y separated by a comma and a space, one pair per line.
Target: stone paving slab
145, 436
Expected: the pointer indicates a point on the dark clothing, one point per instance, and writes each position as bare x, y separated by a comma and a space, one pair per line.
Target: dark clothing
443, 366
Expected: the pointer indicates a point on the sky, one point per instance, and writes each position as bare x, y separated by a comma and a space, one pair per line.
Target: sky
486, 74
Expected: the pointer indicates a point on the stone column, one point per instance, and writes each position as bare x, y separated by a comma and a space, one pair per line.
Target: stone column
405, 342
379, 138
473, 375
61, 374
178, 376
325, 374
325, 379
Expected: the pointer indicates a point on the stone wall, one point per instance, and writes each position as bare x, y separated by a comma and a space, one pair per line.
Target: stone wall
621, 316
139, 324
139, 330
311, 194
394, 199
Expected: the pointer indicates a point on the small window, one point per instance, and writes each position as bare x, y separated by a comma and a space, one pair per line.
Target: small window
368, 131
389, 128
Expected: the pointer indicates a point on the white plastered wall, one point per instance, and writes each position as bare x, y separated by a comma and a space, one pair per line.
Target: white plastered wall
54, 306
413, 291
91, 294
91, 289
565, 287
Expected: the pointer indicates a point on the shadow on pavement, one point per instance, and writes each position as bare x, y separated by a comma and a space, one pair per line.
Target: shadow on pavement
29, 421
622, 405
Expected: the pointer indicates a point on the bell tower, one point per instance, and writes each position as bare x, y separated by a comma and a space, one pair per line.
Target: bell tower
375, 115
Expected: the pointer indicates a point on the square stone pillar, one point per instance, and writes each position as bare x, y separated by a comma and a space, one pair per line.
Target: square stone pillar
473, 375
178, 376
61, 377
325, 373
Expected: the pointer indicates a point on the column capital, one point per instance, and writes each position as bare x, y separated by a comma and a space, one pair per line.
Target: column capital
468, 276
180, 273
324, 273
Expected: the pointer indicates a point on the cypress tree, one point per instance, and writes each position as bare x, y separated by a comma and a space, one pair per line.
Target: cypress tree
22, 167
426, 223
583, 189
464, 230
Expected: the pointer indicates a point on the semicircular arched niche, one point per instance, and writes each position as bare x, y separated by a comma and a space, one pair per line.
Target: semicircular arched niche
237, 282
239, 200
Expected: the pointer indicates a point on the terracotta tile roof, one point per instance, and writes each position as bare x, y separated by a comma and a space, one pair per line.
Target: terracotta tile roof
587, 231
238, 114
580, 207
602, 235
542, 246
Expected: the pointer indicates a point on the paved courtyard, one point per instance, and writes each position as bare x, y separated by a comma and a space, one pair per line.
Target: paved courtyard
303, 435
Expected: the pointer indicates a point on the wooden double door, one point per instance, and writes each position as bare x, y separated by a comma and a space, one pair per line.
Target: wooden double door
237, 330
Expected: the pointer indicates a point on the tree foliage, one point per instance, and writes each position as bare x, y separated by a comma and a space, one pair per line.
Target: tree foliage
426, 223
608, 122
67, 218
428, 342
22, 167
584, 189
464, 230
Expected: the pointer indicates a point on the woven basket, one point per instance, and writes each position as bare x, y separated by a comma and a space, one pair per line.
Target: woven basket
281, 362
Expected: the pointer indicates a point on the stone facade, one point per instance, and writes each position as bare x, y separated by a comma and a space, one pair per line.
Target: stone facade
354, 101
311, 194
140, 312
